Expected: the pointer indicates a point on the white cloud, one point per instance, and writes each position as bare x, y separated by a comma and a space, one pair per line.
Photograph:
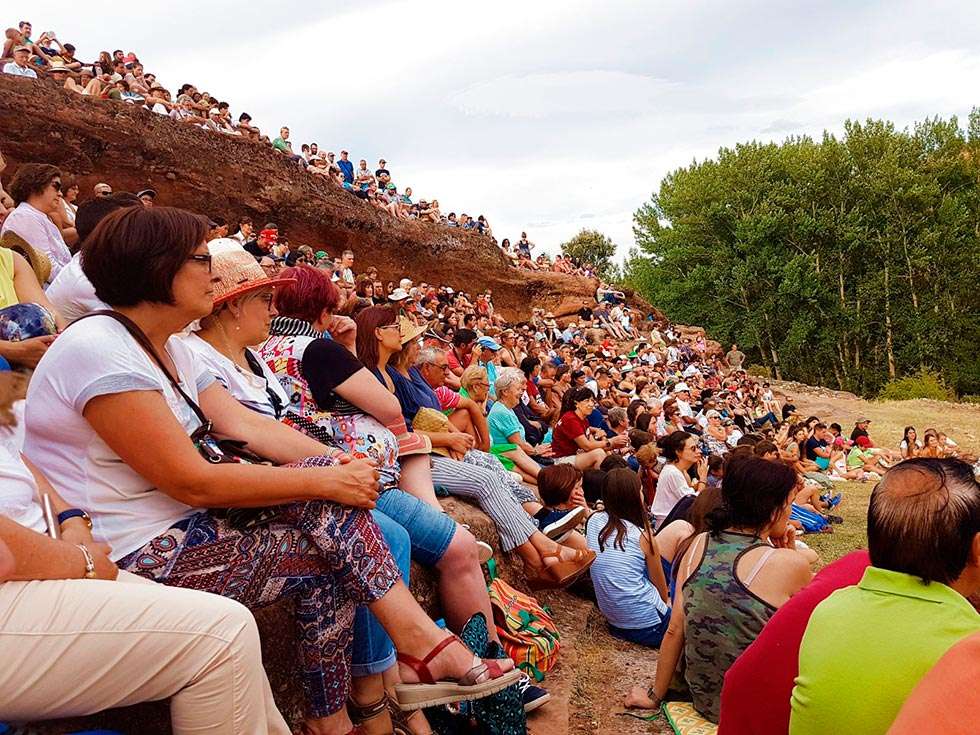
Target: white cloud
559, 94
551, 115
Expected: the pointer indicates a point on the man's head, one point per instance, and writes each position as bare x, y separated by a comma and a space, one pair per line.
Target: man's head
343, 155
433, 365
118, 55
21, 55
347, 259
924, 520
463, 340
363, 164
381, 163
531, 367
25, 28
102, 190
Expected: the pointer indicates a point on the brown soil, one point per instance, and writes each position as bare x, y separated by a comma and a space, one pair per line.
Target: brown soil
226, 176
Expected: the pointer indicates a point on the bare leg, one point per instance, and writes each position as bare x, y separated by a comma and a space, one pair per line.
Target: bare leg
415, 634
366, 690
462, 589
417, 479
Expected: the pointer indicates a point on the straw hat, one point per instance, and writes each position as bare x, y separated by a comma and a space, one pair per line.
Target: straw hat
237, 272
409, 330
40, 263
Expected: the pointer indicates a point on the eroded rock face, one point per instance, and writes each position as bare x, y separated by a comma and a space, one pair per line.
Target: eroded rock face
219, 175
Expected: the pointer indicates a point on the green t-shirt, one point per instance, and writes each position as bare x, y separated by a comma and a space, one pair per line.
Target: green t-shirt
280, 145
503, 423
867, 646
857, 457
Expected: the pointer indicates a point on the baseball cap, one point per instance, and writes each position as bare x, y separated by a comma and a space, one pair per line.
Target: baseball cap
488, 343
681, 387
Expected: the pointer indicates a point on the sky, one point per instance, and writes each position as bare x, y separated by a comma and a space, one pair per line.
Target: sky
546, 116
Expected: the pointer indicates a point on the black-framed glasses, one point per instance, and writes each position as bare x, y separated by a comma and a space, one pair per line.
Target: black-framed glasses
201, 258
56, 185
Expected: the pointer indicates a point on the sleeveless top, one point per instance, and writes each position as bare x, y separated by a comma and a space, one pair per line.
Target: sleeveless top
722, 616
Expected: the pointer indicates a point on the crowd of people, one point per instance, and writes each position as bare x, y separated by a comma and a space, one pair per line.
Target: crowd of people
121, 76
621, 454
195, 424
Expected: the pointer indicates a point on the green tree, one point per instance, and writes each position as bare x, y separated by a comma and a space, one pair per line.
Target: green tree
848, 261
591, 247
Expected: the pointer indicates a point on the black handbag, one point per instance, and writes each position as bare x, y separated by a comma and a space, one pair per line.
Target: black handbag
213, 448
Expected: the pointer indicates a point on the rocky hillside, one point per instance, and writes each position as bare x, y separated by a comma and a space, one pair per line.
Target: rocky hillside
218, 175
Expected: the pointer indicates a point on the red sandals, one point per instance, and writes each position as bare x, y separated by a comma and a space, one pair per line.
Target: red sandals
482, 680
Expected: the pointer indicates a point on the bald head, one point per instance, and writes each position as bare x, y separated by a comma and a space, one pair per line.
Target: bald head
924, 518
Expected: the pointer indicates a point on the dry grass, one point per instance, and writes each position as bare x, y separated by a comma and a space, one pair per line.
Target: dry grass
960, 421
605, 667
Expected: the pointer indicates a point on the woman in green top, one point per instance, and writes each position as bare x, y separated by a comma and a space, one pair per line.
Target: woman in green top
731, 579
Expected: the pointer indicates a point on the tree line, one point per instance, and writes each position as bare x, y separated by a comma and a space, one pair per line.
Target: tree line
849, 261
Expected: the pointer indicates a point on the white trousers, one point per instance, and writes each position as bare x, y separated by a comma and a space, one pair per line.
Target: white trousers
75, 647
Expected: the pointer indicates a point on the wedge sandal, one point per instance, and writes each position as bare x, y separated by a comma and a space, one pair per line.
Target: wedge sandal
429, 692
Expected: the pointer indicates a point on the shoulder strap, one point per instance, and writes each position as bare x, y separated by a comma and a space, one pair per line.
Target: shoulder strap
143, 341
757, 567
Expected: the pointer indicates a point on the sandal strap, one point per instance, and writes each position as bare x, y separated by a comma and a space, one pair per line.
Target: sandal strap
421, 666
360, 713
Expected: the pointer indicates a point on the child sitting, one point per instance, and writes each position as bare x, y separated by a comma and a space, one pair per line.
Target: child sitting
628, 573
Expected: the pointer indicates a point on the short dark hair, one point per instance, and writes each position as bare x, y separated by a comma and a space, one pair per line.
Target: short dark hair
32, 179
463, 337
69, 48
672, 444
556, 483
923, 518
528, 364
134, 253
95, 210
753, 491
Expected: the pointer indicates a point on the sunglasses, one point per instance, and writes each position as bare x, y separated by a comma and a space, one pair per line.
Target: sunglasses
56, 185
201, 258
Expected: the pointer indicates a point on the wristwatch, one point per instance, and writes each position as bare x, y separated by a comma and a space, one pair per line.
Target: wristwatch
74, 513
89, 562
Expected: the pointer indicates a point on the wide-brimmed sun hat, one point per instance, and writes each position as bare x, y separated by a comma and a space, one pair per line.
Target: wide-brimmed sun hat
409, 329
237, 272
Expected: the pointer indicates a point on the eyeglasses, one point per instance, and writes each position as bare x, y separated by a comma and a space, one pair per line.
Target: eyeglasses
393, 325
201, 258
104, 194
56, 185
444, 368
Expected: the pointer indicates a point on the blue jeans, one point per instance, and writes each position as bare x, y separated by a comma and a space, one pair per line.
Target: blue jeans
650, 636
373, 651
430, 530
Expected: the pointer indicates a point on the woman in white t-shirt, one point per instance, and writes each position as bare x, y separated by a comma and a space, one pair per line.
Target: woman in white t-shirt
681, 451
108, 426
201, 644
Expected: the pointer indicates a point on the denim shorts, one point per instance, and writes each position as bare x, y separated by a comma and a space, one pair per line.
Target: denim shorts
650, 636
430, 530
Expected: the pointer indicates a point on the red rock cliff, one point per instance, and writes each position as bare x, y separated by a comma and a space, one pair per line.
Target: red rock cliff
218, 175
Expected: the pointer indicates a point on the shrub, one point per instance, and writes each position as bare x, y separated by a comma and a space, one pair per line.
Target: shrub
921, 385
970, 399
758, 371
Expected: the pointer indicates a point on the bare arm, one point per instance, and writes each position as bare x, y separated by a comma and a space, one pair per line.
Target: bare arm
264, 435
368, 394
29, 290
28, 555
475, 411
163, 454
655, 570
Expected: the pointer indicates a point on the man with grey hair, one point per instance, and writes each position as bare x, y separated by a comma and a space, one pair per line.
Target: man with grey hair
882, 635
466, 414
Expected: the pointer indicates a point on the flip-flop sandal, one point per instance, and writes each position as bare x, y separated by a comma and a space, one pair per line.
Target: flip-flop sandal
430, 692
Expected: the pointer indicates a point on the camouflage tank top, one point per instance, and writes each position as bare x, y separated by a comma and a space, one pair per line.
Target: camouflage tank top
722, 617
